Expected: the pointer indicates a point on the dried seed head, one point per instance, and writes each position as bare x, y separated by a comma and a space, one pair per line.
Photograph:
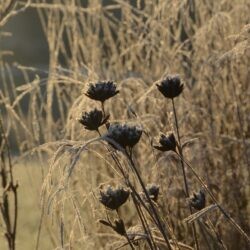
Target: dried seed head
93, 120
102, 91
170, 87
119, 227
113, 198
125, 135
167, 142
153, 191
198, 201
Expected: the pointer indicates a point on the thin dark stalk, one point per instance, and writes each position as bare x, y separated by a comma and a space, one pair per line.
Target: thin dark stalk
184, 174
204, 234
135, 193
129, 242
126, 235
142, 202
118, 164
173, 236
180, 150
227, 216
6, 173
216, 233
157, 217
144, 224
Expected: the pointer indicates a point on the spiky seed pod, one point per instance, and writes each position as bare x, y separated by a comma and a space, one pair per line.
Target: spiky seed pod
93, 120
101, 91
171, 87
153, 191
198, 201
167, 142
113, 198
125, 135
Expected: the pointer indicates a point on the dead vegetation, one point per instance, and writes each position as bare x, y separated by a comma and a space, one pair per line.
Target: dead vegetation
137, 45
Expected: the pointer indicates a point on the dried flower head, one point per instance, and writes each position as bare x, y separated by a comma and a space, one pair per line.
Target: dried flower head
102, 91
113, 198
125, 135
198, 201
153, 191
167, 142
171, 87
93, 120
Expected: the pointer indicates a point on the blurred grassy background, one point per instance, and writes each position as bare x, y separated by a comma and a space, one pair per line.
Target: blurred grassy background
29, 177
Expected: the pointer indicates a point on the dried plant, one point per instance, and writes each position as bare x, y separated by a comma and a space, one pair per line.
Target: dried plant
140, 46
8, 194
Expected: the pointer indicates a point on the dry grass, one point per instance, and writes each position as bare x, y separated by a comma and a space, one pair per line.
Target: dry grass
29, 178
137, 45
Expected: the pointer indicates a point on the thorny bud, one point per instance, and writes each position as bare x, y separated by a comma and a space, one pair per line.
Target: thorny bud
125, 135
153, 191
170, 87
113, 198
167, 142
93, 120
101, 91
198, 201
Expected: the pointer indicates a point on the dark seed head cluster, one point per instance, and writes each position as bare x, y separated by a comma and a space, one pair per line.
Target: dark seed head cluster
198, 201
167, 142
113, 198
93, 119
153, 191
101, 91
171, 87
124, 134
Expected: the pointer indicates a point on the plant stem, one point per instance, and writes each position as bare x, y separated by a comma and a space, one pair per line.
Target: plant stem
103, 109
180, 150
6, 173
145, 225
228, 217
157, 217
126, 235
184, 174
134, 193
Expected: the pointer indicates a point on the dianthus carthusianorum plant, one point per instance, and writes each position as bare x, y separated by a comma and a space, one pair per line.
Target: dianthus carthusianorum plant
130, 206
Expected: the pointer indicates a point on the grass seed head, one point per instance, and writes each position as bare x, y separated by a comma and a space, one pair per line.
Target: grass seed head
171, 87
101, 91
